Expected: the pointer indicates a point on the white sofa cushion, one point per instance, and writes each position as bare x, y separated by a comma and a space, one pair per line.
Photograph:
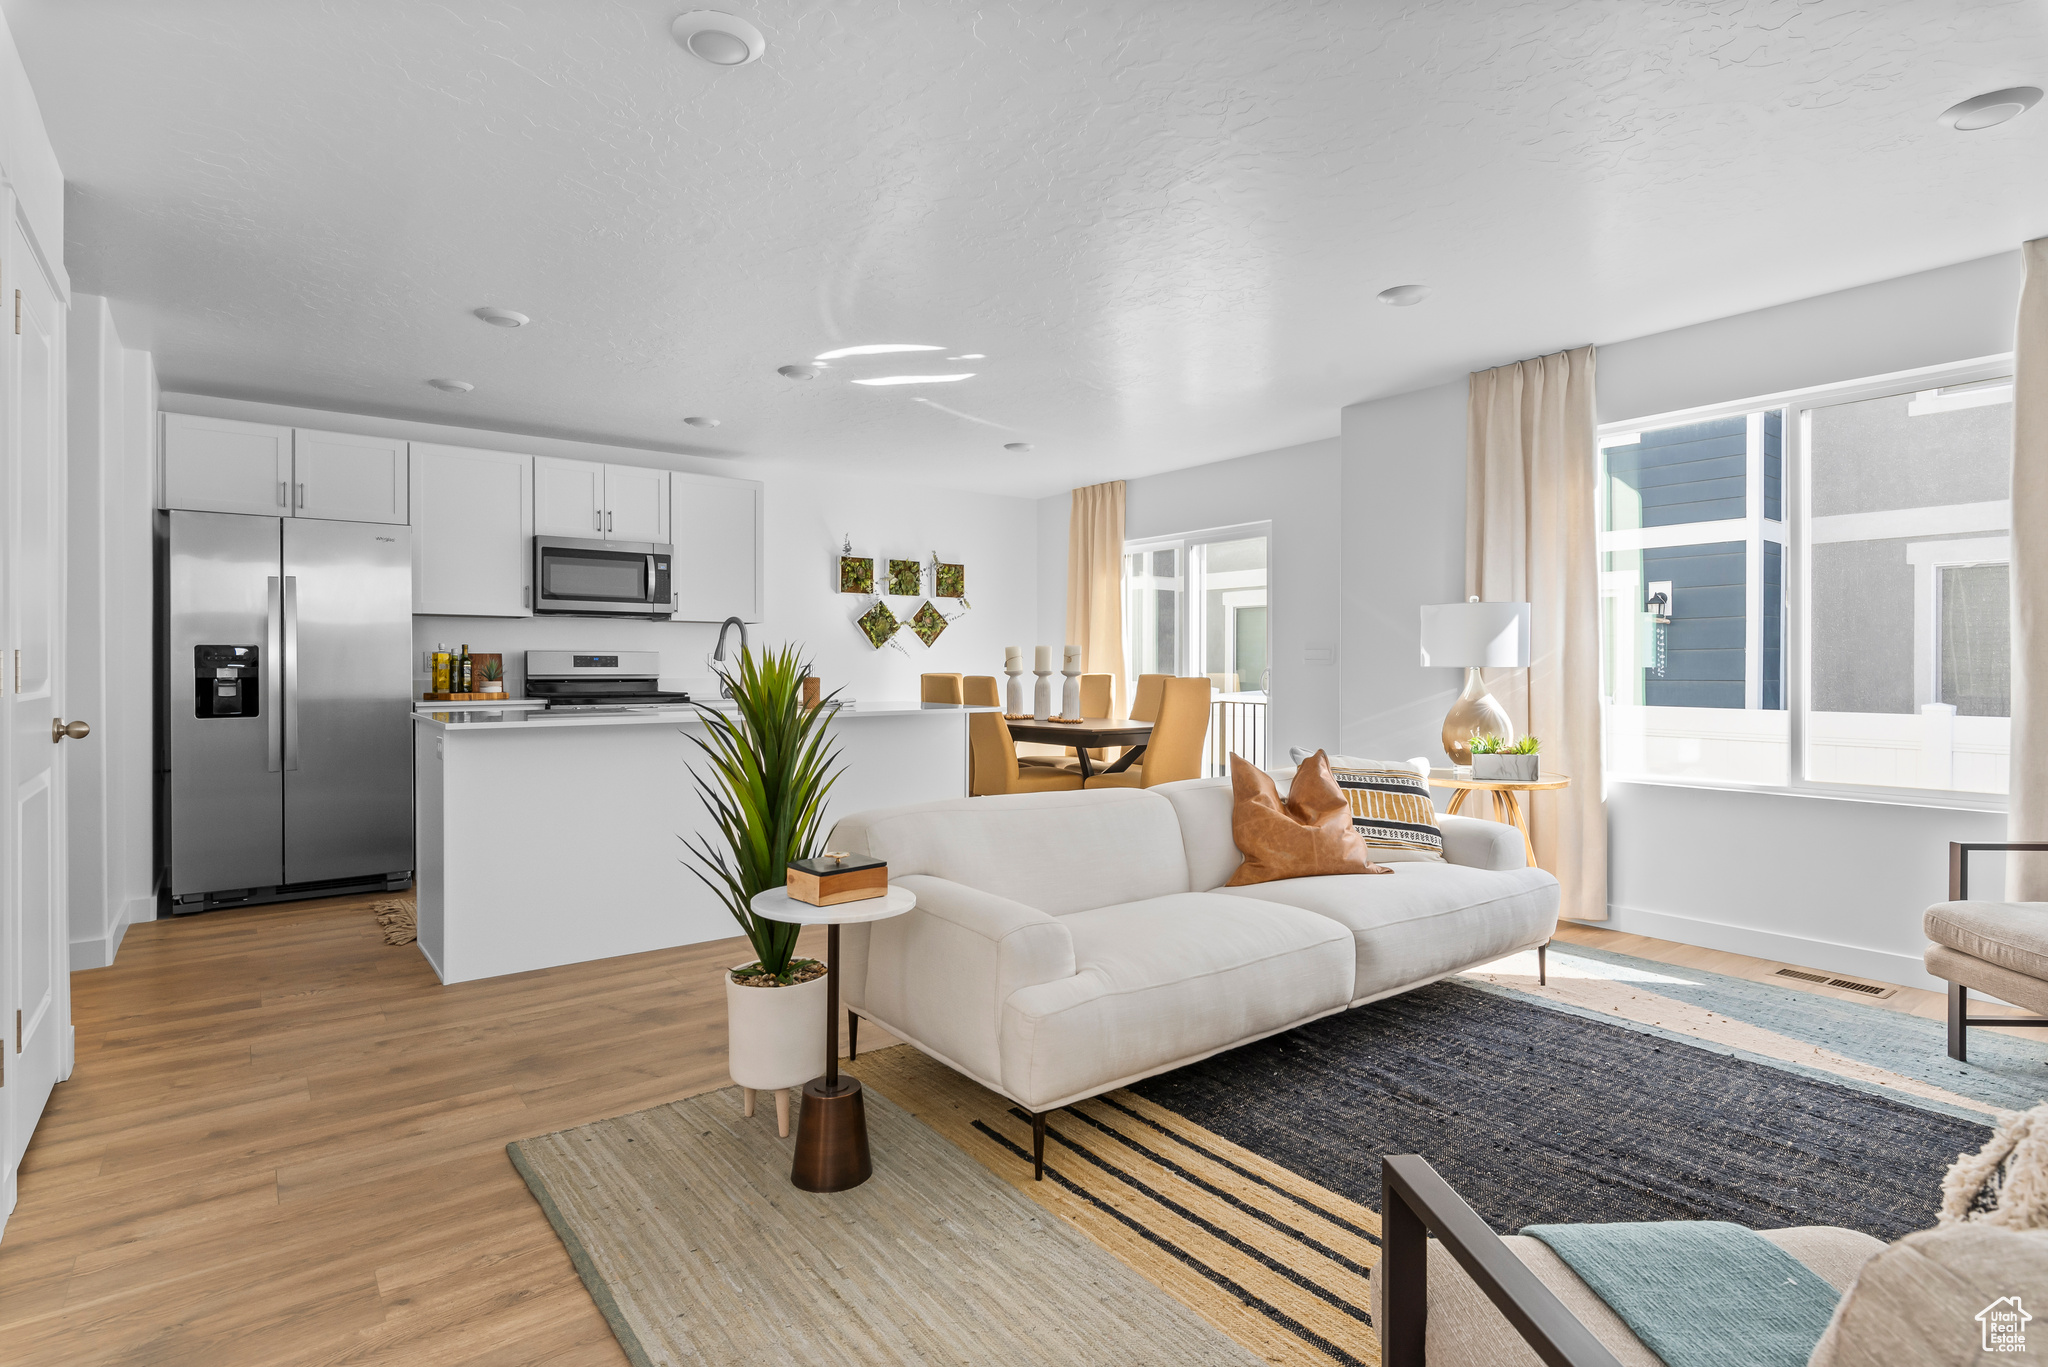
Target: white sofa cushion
1058, 852
1164, 981
1423, 920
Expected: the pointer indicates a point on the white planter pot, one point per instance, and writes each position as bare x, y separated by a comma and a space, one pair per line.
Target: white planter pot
1505, 768
775, 1036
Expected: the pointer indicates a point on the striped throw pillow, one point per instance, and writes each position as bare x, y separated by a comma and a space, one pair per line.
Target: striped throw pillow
1391, 808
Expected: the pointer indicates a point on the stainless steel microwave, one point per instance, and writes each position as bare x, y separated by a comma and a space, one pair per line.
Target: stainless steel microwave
601, 578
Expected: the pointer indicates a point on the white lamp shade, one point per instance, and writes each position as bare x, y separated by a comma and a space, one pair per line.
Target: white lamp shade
1488, 635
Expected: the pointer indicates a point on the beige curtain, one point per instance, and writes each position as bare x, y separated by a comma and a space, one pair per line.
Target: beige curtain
2027, 874
1529, 537
1095, 583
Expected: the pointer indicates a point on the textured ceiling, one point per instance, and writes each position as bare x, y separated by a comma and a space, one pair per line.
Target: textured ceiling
1162, 224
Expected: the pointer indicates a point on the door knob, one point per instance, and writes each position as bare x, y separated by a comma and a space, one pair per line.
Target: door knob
76, 730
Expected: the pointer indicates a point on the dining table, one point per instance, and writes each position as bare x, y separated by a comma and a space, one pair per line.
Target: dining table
1089, 733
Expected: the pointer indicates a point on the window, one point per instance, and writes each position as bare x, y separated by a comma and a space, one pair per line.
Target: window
1814, 592
1197, 605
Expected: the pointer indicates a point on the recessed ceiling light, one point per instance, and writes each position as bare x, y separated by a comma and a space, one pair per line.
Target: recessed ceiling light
452, 386
1990, 109
797, 372
1016, 446
503, 318
701, 422
970, 356
916, 379
877, 349
1401, 296
720, 39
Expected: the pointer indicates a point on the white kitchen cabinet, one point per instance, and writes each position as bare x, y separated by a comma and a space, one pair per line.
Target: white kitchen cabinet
568, 498
635, 503
216, 465
716, 525
472, 531
348, 478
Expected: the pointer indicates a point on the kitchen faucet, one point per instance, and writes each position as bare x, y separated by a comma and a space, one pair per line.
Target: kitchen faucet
725, 687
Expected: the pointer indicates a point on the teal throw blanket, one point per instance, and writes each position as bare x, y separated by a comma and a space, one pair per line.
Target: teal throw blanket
1700, 1293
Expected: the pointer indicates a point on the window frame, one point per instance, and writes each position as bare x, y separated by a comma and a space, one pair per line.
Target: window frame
1796, 506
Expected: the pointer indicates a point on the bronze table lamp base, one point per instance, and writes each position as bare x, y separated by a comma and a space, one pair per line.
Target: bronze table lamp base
831, 1137
1474, 714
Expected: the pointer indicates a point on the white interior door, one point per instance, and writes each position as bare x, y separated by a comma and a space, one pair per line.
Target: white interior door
32, 928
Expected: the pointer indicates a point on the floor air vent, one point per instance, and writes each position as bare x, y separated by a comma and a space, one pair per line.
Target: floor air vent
1875, 991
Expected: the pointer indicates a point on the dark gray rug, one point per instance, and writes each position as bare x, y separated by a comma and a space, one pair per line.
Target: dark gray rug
1538, 1116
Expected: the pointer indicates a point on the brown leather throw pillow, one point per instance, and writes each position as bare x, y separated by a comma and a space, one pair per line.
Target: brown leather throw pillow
1307, 835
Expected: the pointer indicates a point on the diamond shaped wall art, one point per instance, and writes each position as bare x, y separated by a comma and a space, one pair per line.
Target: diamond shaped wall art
878, 624
928, 623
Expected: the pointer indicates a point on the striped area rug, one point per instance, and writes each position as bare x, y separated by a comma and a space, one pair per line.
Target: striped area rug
1279, 1263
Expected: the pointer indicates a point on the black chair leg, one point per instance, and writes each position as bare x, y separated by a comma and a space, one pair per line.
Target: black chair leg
1958, 1032
852, 1036
1038, 1146
1542, 965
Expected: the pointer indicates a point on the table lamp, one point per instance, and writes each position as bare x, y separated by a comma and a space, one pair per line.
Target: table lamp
1473, 636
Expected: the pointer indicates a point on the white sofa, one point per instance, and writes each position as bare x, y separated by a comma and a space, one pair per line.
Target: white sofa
1066, 944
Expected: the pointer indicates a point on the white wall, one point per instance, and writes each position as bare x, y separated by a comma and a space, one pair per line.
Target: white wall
1832, 884
807, 516
110, 470
1403, 545
1293, 488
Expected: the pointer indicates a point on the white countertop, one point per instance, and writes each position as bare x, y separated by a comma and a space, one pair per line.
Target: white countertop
518, 718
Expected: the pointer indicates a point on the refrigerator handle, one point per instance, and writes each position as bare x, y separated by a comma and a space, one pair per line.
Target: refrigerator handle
291, 672
273, 676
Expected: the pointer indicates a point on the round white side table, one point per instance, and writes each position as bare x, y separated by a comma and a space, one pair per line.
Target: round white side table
832, 1132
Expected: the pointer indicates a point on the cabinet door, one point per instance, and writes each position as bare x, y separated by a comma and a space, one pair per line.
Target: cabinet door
716, 526
215, 465
635, 503
347, 478
472, 532
568, 498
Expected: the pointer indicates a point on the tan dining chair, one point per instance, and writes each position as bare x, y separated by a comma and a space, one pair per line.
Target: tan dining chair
939, 688
993, 766
1174, 751
979, 690
1145, 700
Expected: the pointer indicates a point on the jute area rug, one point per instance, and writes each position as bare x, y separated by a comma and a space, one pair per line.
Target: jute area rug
683, 1225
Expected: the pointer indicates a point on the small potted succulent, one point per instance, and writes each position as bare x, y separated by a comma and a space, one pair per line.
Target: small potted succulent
1499, 760
494, 677
766, 769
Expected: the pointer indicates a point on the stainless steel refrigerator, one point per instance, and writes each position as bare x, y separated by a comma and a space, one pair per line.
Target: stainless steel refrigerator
286, 683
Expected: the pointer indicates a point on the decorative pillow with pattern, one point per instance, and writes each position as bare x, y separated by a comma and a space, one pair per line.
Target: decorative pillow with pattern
1391, 808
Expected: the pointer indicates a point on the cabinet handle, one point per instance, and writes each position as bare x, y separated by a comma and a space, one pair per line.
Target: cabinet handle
596, 520
302, 496
607, 523
283, 488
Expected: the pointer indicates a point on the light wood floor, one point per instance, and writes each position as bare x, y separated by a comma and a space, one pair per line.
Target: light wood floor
283, 1144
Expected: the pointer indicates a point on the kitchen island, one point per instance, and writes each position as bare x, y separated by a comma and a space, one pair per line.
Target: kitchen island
554, 837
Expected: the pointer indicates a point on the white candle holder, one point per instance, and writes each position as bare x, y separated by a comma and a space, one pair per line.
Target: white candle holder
1070, 696
1013, 696
1041, 695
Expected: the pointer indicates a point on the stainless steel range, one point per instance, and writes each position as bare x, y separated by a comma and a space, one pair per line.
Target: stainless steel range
574, 680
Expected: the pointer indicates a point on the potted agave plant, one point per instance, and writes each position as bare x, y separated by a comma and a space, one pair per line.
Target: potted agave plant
1504, 761
768, 768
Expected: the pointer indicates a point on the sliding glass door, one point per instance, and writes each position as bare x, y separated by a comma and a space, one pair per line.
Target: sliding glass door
1197, 606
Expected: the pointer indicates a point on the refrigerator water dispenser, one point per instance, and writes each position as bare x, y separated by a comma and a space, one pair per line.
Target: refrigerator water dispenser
224, 681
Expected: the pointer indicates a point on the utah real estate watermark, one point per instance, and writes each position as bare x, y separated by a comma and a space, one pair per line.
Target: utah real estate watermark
2005, 1325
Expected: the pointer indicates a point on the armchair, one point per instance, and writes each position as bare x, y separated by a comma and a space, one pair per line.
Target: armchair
1996, 947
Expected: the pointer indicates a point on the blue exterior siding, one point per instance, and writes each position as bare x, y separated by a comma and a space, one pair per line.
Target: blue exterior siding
1703, 662
1693, 473
1774, 465
1773, 699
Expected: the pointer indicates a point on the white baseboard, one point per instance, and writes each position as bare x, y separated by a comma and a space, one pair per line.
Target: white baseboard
98, 951
1803, 951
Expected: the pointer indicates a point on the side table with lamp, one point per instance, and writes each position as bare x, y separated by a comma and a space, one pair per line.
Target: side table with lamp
833, 890
1475, 636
